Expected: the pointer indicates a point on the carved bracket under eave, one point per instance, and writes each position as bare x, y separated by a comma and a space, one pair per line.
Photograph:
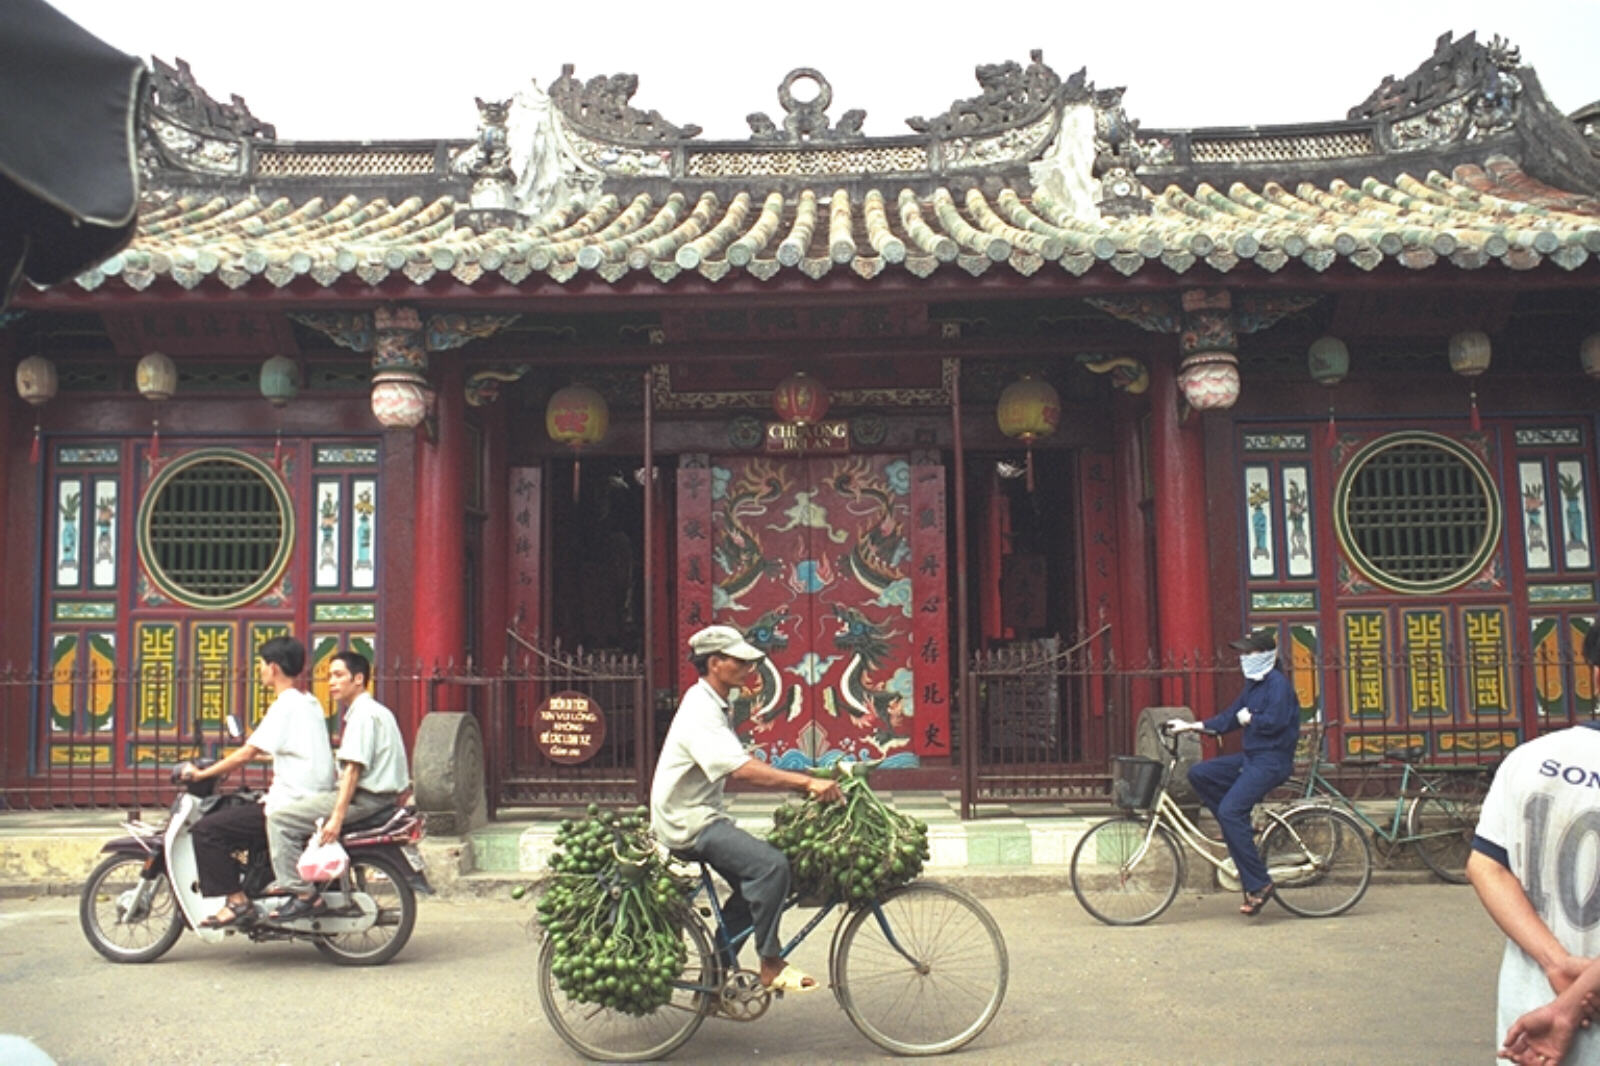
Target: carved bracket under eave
483, 386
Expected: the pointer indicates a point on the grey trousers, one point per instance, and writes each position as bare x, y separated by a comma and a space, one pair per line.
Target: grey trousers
290, 827
759, 874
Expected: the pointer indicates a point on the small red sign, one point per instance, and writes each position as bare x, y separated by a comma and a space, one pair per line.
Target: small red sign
569, 728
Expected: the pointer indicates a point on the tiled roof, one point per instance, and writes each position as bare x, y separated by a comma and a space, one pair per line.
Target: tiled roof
1472, 218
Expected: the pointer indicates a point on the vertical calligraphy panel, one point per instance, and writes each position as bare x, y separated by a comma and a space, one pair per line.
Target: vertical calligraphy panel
930, 587
155, 647
1488, 648
1101, 589
1424, 644
261, 696
1366, 640
527, 498
212, 659
695, 495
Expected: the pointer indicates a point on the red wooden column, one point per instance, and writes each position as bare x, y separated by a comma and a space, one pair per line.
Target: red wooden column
438, 598
1182, 557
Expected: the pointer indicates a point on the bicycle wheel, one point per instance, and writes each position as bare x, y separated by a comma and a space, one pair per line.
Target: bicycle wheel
597, 1032
923, 972
1441, 825
1319, 861
1119, 879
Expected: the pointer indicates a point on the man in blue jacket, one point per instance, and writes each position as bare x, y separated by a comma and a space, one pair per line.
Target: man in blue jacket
1231, 785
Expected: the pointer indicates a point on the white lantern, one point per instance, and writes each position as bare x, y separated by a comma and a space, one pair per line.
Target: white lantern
157, 377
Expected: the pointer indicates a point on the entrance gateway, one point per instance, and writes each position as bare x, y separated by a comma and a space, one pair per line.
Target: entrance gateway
835, 566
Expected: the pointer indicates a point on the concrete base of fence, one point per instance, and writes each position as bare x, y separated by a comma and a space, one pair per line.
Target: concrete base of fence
447, 773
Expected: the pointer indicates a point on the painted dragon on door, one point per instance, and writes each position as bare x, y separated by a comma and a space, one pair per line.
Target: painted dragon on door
809, 559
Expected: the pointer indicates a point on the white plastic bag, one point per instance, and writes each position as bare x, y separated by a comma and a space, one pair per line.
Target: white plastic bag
322, 862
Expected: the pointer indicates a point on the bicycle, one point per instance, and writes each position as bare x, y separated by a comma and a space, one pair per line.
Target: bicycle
1127, 870
920, 971
1439, 808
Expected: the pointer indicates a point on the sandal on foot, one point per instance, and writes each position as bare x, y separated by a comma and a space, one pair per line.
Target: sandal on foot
233, 916
1254, 901
297, 908
793, 979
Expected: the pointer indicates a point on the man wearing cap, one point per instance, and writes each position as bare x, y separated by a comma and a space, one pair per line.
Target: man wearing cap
1231, 785
688, 810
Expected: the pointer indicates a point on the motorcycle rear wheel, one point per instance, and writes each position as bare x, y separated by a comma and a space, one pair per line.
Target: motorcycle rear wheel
383, 880
111, 887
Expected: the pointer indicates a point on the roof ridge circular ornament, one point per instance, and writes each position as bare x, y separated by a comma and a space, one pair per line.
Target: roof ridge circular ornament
815, 106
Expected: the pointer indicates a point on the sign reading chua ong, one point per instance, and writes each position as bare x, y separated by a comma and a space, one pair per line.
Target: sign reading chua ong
569, 727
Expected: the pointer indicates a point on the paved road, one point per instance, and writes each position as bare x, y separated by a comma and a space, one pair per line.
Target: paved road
1406, 978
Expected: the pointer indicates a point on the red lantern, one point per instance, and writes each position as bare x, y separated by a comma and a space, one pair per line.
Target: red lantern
800, 400
577, 416
1029, 410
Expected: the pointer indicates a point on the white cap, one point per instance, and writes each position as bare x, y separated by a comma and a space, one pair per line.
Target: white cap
724, 640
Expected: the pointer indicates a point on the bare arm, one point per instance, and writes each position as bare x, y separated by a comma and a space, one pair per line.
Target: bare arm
243, 754
347, 789
1543, 1036
756, 772
1502, 896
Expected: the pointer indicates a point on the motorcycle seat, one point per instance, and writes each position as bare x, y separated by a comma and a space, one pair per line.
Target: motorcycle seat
376, 820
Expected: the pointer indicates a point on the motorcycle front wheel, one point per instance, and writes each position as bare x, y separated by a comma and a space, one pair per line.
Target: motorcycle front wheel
382, 879
126, 916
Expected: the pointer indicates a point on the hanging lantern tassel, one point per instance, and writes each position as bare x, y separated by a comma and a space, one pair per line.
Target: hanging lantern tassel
1477, 423
155, 438
1028, 461
33, 452
575, 472
1333, 432
277, 449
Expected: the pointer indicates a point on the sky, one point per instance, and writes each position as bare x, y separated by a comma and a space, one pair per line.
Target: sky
402, 69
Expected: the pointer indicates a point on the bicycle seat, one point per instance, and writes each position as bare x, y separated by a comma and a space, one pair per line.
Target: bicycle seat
1407, 754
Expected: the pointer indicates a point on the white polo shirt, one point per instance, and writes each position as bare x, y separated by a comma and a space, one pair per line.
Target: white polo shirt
295, 733
700, 751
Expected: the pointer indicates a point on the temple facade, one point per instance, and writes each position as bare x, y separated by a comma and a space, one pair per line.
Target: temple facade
991, 433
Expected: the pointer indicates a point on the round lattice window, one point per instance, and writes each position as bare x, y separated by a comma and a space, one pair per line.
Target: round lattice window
1417, 512
215, 529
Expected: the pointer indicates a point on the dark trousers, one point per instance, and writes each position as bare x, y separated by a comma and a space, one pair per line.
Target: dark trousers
759, 874
217, 836
1230, 786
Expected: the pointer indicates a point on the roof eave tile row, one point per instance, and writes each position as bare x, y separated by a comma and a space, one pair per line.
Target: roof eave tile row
1476, 216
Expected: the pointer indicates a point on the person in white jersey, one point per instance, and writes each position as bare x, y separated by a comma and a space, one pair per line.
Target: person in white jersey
373, 775
1535, 864
294, 734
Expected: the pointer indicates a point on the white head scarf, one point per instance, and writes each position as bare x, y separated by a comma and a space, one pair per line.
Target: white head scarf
1257, 664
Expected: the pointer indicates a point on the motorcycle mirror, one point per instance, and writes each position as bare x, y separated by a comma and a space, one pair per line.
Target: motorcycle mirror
231, 724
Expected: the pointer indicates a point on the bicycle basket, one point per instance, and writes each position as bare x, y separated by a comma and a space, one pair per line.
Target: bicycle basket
1135, 781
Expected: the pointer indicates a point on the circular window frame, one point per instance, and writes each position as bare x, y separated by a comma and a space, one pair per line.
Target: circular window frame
1494, 521
280, 559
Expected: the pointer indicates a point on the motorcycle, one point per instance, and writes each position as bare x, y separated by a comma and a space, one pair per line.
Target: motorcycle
142, 896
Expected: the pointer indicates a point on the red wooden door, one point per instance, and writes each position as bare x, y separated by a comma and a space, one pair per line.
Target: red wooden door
813, 559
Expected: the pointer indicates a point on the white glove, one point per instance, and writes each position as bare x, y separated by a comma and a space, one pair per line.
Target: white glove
1181, 725
1243, 716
